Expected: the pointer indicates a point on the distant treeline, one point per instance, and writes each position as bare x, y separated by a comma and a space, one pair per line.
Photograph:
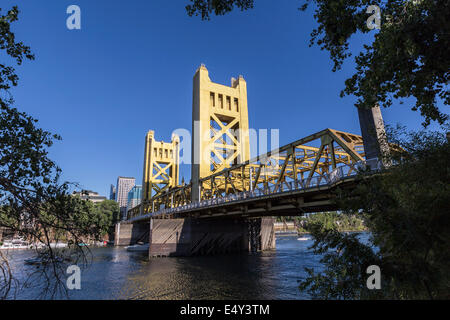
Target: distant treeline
342, 222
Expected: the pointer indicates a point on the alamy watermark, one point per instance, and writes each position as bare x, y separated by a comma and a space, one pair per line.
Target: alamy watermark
374, 280
258, 139
73, 282
73, 22
374, 21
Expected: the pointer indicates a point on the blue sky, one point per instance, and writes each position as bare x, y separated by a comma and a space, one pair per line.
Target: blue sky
130, 68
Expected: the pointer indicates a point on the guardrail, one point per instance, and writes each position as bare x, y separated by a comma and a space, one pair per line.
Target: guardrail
329, 179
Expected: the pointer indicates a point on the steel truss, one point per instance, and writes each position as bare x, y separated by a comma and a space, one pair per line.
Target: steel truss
313, 157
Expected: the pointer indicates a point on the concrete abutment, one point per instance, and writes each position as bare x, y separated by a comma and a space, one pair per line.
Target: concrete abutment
130, 233
202, 236
198, 236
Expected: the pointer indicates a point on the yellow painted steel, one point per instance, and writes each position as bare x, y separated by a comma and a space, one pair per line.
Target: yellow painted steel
220, 126
312, 157
221, 150
161, 166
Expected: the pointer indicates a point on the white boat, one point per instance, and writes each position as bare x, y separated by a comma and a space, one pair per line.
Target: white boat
138, 248
6, 246
15, 244
58, 245
303, 239
37, 246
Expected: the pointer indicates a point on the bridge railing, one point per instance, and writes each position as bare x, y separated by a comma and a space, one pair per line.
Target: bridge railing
306, 184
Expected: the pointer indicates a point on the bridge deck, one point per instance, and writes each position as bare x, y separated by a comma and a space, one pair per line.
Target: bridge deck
288, 201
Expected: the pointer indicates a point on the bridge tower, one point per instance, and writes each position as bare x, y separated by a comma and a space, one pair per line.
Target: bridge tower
219, 125
161, 165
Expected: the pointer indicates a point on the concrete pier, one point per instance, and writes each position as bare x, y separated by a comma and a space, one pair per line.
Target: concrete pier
191, 237
128, 233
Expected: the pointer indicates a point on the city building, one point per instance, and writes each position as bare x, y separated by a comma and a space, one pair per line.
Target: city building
124, 185
112, 193
89, 195
134, 197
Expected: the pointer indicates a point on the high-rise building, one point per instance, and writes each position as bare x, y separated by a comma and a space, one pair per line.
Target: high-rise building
134, 197
112, 193
124, 185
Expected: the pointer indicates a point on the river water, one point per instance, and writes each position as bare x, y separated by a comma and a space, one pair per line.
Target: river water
115, 273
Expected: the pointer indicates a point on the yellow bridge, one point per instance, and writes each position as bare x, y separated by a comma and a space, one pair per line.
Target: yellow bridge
225, 184
294, 167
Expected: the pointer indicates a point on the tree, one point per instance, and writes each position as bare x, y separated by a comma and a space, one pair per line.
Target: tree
406, 206
332, 220
96, 218
407, 211
345, 260
108, 213
33, 201
409, 56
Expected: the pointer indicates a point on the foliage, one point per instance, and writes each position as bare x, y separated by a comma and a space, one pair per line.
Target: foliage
6, 280
33, 203
219, 7
332, 220
407, 211
96, 218
109, 212
345, 259
409, 56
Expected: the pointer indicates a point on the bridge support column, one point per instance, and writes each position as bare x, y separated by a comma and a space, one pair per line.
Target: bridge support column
261, 234
374, 135
126, 234
192, 237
